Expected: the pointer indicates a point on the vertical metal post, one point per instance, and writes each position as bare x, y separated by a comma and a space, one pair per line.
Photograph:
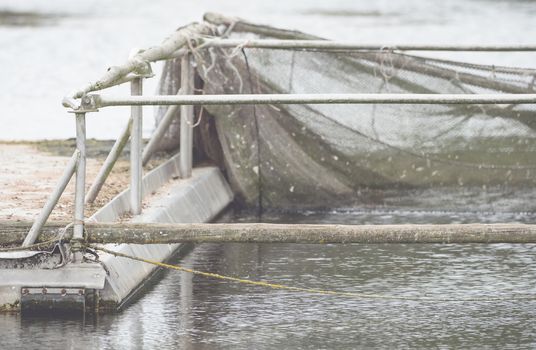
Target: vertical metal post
136, 169
187, 119
78, 228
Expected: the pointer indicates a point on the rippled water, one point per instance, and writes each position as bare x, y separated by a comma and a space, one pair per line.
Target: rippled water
194, 312
185, 311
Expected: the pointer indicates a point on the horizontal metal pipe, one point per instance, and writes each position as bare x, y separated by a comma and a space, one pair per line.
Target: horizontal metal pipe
146, 233
318, 234
313, 45
327, 45
105, 100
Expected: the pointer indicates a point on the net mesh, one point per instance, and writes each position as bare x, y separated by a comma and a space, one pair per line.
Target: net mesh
459, 158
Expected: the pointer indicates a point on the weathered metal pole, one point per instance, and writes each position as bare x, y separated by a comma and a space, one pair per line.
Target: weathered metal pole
318, 234
138, 233
79, 194
52, 200
187, 119
136, 141
109, 163
241, 99
328, 45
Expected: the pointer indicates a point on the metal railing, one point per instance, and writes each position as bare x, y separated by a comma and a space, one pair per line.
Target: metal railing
139, 156
136, 144
185, 100
329, 45
162, 100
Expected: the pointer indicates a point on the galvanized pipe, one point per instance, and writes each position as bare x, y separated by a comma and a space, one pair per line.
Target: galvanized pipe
78, 229
136, 143
52, 200
187, 119
169, 233
240, 99
159, 132
109, 163
328, 45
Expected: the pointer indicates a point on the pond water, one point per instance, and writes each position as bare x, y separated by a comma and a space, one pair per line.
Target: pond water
194, 312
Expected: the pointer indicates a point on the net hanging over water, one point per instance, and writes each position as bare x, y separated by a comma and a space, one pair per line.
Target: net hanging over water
463, 158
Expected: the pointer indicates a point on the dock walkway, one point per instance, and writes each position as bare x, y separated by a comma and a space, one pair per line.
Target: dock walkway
28, 175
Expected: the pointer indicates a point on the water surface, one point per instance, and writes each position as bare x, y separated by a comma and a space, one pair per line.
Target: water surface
194, 312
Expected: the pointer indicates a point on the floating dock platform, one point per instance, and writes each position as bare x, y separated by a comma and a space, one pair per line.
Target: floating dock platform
36, 280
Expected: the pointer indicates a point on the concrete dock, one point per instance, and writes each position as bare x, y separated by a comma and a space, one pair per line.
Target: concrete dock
28, 174
39, 279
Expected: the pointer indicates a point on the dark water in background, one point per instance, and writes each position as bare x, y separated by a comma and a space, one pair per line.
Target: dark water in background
193, 312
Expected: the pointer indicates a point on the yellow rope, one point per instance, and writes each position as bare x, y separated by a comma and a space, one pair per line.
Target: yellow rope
28, 247
38, 245
313, 290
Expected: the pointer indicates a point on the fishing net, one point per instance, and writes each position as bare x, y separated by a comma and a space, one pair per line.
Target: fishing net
458, 158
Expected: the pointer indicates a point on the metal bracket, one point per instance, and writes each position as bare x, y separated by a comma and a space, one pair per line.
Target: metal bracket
142, 67
145, 72
88, 103
70, 102
76, 245
44, 300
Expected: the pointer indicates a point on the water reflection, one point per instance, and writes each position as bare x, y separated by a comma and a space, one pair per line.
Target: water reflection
192, 312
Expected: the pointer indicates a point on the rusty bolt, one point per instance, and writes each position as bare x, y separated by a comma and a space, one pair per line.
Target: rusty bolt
81, 291
25, 291
63, 291
44, 291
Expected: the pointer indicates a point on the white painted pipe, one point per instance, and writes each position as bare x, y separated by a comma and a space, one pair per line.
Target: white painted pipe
327, 45
78, 233
240, 99
136, 141
187, 119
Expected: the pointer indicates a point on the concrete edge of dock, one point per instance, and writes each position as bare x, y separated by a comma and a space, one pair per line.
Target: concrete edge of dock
113, 281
